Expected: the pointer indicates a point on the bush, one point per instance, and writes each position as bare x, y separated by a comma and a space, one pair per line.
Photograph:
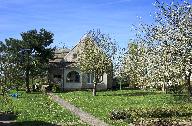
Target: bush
176, 89
117, 115
56, 88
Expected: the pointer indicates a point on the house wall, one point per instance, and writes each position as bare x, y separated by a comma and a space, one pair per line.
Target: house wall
100, 86
107, 79
75, 51
71, 85
83, 82
110, 80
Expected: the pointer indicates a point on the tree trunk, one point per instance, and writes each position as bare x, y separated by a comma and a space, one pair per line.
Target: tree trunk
164, 87
27, 80
94, 84
94, 89
120, 85
5, 82
165, 83
27, 74
188, 83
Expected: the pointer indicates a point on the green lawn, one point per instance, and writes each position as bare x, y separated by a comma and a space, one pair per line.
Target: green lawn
38, 109
101, 105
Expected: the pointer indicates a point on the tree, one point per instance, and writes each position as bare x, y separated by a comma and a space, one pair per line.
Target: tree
178, 23
135, 64
30, 55
7, 81
97, 56
14, 70
38, 52
2, 68
169, 43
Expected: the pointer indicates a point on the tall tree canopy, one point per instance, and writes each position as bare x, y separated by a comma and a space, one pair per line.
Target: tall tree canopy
30, 55
169, 44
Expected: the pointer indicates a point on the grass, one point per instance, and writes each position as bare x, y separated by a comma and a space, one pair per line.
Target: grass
101, 105
38, 109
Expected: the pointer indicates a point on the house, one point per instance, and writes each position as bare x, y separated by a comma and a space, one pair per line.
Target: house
65, 72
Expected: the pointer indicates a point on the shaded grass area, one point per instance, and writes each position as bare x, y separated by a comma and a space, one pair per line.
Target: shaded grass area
28, 123
105, 102
37, 110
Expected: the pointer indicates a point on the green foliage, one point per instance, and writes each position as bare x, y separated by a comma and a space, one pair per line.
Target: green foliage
176, 89
121, 82
26, 58
56, 88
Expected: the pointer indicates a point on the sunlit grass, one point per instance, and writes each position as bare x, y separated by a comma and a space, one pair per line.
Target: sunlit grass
101, 105
38, 107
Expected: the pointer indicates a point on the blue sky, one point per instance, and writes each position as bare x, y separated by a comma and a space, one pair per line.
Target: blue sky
69, 20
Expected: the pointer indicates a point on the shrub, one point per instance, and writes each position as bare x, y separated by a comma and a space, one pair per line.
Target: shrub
176, 89
117, 115
56, 88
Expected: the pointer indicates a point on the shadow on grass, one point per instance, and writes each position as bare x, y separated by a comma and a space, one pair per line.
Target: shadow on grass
182, 98
8, 119
28, 123
8, 116
131, 94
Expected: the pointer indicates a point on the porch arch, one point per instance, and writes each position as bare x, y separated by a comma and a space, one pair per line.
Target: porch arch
73, 77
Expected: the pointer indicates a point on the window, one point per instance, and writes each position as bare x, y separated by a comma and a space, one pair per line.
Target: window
90, 78
57, 76
73, 76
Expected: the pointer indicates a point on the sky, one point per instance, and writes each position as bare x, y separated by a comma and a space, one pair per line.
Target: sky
69, 20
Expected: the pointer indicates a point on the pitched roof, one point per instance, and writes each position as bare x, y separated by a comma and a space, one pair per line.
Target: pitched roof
62, 50
67, 55
59, 55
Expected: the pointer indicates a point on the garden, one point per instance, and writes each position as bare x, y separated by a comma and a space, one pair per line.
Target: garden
35, 109
137, 107
159, 57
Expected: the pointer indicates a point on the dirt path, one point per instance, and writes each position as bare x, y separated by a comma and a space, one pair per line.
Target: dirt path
84, 116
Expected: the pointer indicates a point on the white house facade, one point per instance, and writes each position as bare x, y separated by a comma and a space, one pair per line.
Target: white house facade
65, 72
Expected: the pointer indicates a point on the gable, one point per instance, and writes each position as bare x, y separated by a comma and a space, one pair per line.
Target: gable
72, 56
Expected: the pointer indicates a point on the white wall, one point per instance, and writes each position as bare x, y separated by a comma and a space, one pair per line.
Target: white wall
71, 85
83, 81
